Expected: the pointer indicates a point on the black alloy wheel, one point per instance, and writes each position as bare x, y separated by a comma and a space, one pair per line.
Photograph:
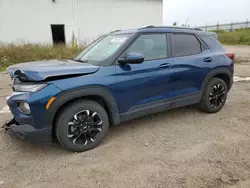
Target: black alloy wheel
214, 96
217, 95
84, 127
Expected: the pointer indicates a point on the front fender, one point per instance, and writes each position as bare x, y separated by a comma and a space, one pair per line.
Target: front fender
102, 92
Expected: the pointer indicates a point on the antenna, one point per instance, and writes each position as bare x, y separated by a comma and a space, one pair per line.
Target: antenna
186, 21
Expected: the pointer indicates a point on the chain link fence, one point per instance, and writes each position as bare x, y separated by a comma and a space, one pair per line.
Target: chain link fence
227, 27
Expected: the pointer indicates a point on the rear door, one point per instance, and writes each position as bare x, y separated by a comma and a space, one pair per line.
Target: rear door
192, 62
144, 88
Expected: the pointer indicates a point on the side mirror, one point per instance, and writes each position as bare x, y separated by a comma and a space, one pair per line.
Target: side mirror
132, 58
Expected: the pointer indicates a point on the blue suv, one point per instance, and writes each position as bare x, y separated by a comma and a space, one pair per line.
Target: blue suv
120, 76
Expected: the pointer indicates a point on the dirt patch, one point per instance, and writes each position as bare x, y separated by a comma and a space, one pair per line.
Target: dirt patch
179, 148
242, 53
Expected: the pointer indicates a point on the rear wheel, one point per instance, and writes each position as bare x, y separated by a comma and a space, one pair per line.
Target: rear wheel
82, 125
214, 96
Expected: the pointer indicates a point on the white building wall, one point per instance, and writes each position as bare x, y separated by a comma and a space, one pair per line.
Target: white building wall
28, 21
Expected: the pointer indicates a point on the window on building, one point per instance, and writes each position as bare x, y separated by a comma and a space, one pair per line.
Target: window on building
185, 44
152, 46
58, 34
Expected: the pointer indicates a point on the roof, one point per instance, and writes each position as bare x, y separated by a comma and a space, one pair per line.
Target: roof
161, 29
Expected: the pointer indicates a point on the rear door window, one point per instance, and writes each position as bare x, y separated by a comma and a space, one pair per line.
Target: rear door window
185, 44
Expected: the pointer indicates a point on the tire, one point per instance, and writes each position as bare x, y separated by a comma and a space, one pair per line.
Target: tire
214, 94
70, 124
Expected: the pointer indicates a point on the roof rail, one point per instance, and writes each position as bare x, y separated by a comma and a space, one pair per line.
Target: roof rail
115, 31
170, 27
147, 26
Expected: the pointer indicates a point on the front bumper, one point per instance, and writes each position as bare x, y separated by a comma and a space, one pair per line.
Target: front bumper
27, 132
36, 126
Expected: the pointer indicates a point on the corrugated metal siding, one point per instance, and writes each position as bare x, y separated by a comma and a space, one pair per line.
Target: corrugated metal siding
29, 20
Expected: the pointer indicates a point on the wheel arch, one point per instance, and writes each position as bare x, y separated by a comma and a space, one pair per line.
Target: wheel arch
97, 94
223, 73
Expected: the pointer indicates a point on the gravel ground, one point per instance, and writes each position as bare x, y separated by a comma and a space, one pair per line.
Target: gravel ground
179, 148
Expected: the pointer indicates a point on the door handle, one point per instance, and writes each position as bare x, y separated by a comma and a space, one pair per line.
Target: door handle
165, 65
208, 59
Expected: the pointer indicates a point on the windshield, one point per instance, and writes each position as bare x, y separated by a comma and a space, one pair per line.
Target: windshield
102, 48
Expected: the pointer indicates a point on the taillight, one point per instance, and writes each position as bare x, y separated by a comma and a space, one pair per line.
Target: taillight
230, 55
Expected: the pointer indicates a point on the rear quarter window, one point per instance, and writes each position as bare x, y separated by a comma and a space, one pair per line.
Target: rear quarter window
212, 42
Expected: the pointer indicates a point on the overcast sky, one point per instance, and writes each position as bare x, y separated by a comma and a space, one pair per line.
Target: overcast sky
201, 12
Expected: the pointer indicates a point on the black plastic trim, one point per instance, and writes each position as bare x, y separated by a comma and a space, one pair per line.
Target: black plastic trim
203, 44
28, 132
169, 45
161, 105
216, 71
84, 92
186, 99
146, 109
169, 27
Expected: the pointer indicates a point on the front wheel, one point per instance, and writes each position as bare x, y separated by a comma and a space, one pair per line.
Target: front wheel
214, 96
82, 125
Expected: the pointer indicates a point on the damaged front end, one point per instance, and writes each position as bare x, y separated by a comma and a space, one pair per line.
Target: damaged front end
8, 130
27, 104
34, 87
27, 132
50, 70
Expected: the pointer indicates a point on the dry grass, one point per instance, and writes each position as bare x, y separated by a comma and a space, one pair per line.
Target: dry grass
13, 54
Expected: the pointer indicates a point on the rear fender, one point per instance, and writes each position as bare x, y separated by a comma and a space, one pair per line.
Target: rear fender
216, 71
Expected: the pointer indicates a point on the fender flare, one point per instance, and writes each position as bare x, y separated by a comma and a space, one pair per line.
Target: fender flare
102, 92
216, 71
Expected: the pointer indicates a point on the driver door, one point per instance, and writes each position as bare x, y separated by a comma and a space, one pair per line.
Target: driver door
145, 88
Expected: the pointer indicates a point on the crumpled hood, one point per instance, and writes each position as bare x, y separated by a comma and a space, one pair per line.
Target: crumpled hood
41, 70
